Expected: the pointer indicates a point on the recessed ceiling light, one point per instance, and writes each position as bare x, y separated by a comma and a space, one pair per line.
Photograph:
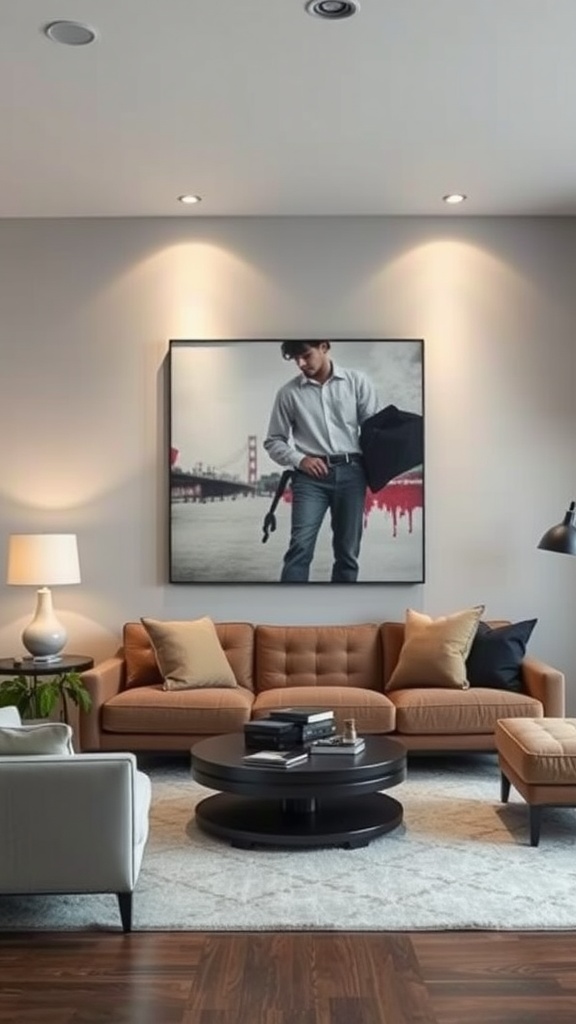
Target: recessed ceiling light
454, 197
189, 200
333, 9
70, 33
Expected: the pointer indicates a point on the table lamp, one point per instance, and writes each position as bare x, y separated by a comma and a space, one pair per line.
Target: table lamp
562, 538
44, 560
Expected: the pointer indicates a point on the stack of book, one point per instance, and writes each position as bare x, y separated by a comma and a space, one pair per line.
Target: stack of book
289, 727
337, 745
306, 716
276, 758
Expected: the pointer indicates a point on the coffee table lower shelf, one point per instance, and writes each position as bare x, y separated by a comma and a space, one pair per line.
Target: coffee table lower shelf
246, 822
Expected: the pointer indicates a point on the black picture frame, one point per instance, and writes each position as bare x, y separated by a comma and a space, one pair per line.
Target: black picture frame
222, 481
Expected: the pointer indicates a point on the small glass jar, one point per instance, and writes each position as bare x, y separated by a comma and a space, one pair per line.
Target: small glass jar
349, 734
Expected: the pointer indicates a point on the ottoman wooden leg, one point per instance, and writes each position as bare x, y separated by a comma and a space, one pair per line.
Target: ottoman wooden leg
535, 819
504, 788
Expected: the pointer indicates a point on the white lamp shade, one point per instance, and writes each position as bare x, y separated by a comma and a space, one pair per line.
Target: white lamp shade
43, 559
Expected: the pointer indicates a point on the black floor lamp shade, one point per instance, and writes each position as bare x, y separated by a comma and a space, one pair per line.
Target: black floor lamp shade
562, 538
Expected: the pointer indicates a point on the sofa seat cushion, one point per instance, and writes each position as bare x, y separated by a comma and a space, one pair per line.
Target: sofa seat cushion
443, 712
373, 712
153, 710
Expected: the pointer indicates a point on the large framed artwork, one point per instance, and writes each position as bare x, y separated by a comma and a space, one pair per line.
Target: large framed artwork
279, 473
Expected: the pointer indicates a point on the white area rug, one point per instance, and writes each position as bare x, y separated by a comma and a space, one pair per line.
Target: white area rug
461, 860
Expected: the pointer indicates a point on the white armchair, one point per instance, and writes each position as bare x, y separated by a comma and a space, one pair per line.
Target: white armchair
72, 824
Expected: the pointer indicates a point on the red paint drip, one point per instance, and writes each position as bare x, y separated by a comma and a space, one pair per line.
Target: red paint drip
398, 499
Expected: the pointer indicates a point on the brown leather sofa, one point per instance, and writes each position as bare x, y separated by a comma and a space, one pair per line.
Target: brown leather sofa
341, 667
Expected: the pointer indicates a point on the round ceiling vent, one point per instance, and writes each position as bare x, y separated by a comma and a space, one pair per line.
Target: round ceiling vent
334, 10
70, 33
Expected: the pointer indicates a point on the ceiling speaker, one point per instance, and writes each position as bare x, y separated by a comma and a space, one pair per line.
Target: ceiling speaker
70, 33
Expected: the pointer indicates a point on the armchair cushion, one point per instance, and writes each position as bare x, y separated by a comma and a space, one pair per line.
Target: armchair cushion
46, 738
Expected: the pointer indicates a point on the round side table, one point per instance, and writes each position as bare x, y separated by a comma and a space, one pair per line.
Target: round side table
29, 667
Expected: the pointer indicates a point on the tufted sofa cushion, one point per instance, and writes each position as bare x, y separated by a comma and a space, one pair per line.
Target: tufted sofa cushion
293, 656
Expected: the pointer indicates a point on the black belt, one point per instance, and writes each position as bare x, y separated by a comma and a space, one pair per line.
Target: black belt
341, 460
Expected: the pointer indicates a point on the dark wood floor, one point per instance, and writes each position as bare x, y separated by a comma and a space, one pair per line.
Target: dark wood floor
288, 978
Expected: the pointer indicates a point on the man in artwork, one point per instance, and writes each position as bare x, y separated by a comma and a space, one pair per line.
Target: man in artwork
314, 430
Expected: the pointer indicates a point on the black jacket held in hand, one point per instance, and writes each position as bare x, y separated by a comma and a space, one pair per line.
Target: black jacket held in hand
392, 442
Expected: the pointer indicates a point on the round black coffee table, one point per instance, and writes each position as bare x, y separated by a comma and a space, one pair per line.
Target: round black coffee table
329, 800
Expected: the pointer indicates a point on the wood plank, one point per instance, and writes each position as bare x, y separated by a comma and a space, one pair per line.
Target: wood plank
287, 978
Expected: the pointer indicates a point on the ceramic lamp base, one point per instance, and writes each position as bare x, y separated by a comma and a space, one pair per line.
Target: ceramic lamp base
44, 637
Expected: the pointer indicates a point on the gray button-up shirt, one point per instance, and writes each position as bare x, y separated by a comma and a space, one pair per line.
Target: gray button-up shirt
319, 419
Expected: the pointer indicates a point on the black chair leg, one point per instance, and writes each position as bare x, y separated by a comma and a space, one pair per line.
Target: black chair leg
125, 905
504, 788
535, 819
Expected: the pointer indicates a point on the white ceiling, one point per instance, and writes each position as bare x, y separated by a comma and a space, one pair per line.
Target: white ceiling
264, 110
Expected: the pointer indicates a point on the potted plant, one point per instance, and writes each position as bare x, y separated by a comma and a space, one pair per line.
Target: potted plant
37, 697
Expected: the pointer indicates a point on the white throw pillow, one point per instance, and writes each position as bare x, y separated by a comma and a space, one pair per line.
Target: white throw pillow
46, 738
10, 716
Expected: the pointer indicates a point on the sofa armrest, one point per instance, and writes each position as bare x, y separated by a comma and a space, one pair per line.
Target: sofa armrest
103, 682
72, 824
546, 684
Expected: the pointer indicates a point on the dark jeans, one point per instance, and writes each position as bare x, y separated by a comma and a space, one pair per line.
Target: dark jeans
343, 492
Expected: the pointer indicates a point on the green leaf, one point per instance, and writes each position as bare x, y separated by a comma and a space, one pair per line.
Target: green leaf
84, 700
74, 688
47, 697
12, 691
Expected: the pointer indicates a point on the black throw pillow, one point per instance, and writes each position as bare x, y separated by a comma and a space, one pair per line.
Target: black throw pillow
496, 655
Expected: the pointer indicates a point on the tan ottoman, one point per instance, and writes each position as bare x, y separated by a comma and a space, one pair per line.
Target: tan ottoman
538, 756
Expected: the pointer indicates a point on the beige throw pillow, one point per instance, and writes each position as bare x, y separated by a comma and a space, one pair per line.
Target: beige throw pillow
189, 654
435, 650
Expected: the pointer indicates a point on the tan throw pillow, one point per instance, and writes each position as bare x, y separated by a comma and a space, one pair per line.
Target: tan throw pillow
435, 650
189, 654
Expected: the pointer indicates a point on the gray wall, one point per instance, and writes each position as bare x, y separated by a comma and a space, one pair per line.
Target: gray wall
86, 311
